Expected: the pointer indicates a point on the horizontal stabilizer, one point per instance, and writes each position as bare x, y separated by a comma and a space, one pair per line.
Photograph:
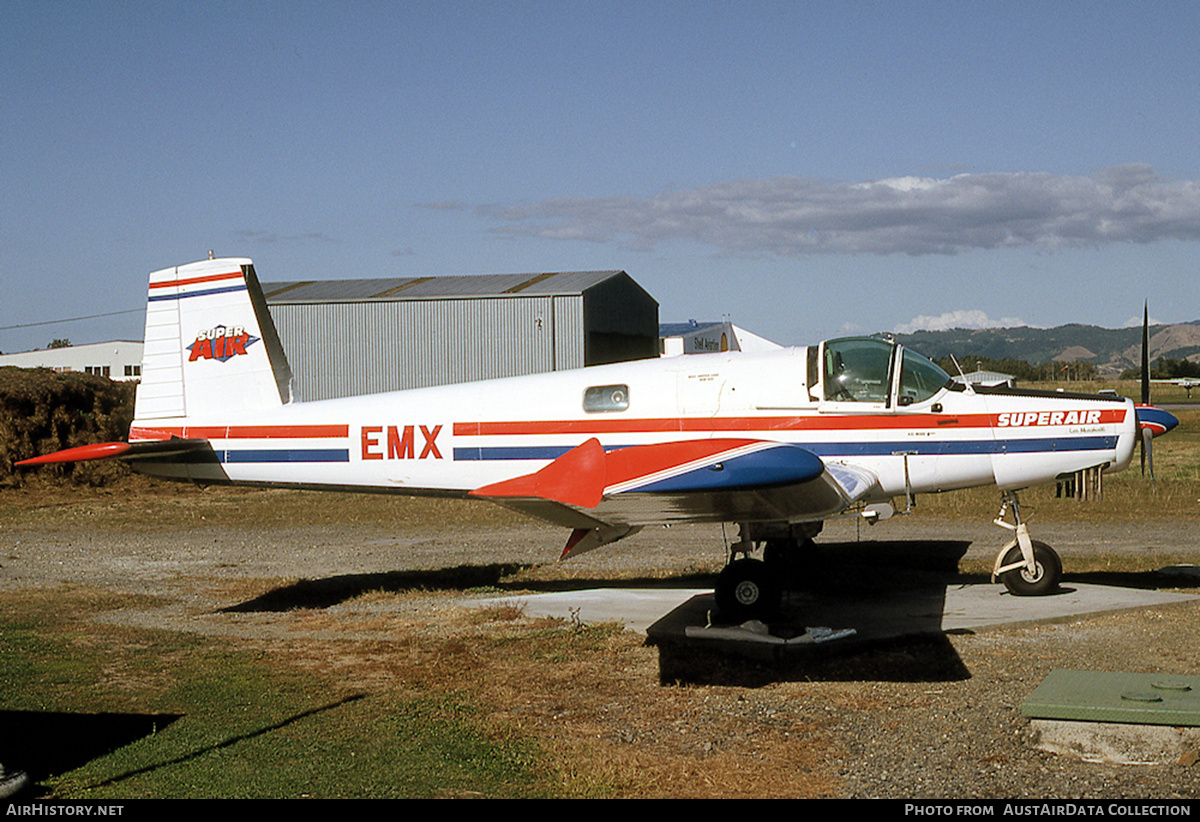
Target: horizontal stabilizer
121, 450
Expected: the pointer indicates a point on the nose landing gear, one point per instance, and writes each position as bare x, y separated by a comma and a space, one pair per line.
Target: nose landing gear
1027, 567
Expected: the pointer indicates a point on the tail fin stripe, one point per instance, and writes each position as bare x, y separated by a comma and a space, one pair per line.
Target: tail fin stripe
208, 278
156, 298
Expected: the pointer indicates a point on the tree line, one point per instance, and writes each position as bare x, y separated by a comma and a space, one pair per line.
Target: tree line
1165, 368
1021, 370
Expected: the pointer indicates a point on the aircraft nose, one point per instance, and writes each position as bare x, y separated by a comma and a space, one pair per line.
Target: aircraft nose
1156, 420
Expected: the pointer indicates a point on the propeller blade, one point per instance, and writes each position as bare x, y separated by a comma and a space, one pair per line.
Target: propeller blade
1146, 354
1148, 451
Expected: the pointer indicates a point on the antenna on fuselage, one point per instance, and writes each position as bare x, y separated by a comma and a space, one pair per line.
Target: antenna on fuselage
966, 383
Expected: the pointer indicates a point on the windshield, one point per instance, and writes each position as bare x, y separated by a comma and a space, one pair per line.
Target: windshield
857, 369
920, 378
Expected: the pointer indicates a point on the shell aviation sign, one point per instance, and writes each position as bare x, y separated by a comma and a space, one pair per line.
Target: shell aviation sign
221, 343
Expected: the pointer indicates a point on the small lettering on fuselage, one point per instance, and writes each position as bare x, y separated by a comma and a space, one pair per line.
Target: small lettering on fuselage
1022, 418
399, 443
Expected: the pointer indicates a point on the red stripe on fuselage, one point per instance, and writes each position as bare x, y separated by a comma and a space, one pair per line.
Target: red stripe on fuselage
241, 432
815, 422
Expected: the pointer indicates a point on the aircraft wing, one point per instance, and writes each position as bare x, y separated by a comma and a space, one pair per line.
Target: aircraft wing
605, 495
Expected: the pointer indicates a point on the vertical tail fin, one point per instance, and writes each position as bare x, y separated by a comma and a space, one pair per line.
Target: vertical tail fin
211, 351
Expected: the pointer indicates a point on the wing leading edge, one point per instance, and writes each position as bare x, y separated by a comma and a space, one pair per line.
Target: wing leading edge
606, 495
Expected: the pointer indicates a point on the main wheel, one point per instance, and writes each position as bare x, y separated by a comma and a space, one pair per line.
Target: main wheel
1045, 577
747, 589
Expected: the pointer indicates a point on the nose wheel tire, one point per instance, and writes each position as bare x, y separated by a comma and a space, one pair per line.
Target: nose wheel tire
1045, 577
747, 589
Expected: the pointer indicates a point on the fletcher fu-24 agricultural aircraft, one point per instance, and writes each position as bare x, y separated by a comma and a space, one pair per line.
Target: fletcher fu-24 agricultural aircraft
776, 442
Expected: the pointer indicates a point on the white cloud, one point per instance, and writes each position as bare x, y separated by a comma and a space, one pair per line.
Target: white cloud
788, 216
964, 318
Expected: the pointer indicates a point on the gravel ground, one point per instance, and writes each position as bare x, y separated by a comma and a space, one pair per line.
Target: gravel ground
934, 718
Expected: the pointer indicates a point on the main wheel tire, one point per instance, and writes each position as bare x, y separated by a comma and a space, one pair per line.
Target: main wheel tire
747, 589
1045, 578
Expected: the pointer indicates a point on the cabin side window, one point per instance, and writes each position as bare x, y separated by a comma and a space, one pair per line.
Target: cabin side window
858, 369
920, 379
603, 398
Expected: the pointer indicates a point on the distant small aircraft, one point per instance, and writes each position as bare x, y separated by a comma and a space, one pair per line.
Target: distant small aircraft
1186, 383
776, 442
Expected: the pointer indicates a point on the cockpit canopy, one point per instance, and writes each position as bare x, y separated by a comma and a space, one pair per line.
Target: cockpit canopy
863, 369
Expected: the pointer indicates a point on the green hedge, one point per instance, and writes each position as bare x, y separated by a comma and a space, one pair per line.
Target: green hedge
42, 411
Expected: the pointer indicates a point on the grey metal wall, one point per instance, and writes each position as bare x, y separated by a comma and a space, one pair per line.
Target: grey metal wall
350, 348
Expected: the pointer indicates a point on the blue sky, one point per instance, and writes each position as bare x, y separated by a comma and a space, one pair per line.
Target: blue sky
805, 169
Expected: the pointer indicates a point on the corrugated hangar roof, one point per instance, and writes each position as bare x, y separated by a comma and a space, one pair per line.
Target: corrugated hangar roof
433, 288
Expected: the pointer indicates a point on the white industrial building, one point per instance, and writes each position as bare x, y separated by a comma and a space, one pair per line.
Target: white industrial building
118, 360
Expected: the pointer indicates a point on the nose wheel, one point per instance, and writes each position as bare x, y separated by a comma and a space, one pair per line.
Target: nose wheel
1027, 567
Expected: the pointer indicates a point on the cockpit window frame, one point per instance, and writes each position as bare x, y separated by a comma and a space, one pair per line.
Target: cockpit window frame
868, 376
926, 365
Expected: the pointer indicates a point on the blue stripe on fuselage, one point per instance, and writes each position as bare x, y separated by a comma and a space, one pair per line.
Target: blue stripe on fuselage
284, 455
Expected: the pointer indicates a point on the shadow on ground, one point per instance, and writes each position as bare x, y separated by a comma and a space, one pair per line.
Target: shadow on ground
48, 743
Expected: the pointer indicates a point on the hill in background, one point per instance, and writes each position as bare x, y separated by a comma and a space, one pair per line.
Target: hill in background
1111, 350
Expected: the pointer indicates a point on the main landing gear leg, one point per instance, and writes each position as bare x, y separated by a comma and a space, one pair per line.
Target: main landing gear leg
1027, 567
747, 588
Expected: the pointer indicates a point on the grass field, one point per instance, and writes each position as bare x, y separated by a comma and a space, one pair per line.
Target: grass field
98, 712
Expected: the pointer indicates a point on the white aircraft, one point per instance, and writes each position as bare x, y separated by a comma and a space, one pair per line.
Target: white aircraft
1186, 383
777, 442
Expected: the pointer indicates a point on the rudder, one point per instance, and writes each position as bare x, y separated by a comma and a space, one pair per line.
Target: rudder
211, 348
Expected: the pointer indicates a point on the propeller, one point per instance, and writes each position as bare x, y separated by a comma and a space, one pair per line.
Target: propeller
1146, 435
1152, 422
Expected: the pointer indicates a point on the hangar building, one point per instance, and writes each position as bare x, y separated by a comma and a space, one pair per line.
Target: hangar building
350, 337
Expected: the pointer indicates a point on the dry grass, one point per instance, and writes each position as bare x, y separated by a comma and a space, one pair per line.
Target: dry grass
588, 697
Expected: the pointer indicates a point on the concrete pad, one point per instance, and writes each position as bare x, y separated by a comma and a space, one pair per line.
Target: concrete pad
670, 612
635, 608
